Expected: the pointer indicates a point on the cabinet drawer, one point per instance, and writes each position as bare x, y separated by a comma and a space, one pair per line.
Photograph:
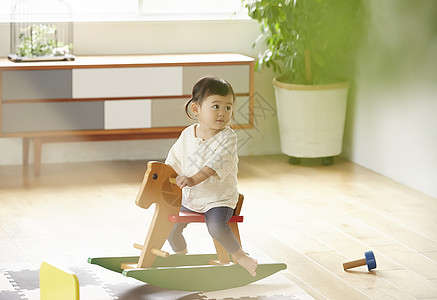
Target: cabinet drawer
127, 82
126, 114
36, 84
54, 116
169, 113
237, 76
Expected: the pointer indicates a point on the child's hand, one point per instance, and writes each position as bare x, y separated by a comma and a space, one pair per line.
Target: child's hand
183, 181
203, 174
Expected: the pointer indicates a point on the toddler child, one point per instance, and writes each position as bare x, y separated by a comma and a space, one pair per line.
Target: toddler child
205, 158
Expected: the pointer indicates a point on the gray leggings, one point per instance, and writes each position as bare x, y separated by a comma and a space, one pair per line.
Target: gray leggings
216, 219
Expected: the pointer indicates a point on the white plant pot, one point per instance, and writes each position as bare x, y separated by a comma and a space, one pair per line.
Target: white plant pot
311, 118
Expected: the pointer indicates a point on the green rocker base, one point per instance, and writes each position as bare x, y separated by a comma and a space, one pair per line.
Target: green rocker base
189, 272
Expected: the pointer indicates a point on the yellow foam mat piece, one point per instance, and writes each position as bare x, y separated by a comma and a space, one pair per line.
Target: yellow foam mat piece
57, 283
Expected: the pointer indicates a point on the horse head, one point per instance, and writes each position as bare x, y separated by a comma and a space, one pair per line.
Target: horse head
157, 188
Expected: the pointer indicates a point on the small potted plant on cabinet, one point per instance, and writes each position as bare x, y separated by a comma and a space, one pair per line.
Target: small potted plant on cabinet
311, 45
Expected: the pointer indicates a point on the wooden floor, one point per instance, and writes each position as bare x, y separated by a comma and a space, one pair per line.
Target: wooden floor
311, 217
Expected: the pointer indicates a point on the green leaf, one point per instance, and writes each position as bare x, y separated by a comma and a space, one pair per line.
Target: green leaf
330, 29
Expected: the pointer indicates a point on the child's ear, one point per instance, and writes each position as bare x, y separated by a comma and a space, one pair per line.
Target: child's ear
194, 107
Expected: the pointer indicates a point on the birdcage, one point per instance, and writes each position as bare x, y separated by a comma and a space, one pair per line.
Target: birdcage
41, 30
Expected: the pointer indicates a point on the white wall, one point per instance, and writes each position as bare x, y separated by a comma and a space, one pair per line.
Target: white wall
114, 38
392, 121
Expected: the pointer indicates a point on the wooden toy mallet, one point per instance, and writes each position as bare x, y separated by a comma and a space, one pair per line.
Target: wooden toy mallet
369, 260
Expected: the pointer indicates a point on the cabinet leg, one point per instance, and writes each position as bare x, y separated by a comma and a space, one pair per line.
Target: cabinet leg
37, 147
26, 142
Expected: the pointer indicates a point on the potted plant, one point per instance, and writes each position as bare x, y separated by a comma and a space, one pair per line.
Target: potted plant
311, 45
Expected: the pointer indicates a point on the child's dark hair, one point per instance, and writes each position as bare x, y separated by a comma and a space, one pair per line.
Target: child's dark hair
207, 86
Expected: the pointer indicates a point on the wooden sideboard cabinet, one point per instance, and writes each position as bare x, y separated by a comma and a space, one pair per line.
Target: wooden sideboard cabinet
100, 98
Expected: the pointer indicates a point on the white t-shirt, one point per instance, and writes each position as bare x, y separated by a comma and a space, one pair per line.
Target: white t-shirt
190, 154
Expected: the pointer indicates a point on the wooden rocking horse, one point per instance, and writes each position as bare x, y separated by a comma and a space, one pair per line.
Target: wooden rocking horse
201, 272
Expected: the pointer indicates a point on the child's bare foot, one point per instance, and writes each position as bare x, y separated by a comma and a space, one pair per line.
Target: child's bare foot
247, 262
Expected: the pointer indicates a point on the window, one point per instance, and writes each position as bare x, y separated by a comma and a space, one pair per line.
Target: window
103, 9
193, 9
94, 10
5, 10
